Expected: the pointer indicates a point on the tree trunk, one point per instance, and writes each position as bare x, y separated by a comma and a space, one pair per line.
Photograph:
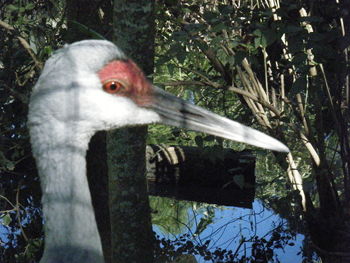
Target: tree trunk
132, 236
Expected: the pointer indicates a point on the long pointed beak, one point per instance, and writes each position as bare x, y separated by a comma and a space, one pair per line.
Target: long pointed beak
180, 113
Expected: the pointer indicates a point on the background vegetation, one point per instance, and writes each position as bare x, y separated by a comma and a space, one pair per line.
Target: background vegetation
281, 66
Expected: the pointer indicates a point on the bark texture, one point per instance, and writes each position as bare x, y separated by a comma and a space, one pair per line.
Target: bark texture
132, 236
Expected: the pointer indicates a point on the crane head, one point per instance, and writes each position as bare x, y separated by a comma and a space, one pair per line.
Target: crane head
91, 85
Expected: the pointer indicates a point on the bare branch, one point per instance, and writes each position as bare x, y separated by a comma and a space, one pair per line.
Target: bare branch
24, 43
256, 99
184, 83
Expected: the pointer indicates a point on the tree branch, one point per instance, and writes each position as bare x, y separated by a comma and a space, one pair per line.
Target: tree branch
184, 83
24, 43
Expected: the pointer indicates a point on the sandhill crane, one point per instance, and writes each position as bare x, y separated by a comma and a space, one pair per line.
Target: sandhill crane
86, 87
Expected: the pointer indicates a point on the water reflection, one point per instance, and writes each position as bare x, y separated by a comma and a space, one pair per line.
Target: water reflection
252, 235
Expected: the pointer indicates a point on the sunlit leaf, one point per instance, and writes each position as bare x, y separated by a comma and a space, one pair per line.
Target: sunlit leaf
6, 219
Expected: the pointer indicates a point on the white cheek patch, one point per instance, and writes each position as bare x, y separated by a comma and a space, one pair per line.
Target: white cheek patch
106, 111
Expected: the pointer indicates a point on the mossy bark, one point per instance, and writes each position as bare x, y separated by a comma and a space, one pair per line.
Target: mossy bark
132, 236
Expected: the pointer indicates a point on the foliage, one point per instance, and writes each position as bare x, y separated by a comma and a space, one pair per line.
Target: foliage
254, 235
254, 249
168, 214
288, 63
29, 31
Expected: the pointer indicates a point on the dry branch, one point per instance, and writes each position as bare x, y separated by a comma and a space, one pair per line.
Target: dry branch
24, 43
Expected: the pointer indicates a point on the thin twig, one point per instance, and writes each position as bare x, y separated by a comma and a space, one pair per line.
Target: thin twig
256, 99
18, 212
184, 83
24, 43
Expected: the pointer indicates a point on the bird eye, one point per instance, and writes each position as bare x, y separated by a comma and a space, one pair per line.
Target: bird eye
112, 86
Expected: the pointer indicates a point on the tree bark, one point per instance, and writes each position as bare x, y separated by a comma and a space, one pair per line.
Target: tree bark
132, 236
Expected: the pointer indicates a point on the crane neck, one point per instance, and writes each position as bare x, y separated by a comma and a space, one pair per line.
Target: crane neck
71, 234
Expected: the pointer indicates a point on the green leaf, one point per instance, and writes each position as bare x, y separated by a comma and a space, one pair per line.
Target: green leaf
194, 28
29, 6
174, 49
201, 44
264, 37
180, 36
6, 219
12, 8
186, 10
4, 162
48, 50
218, 28
259, 40
231, 60
162, 60
257, 33
216, 41
210, 16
